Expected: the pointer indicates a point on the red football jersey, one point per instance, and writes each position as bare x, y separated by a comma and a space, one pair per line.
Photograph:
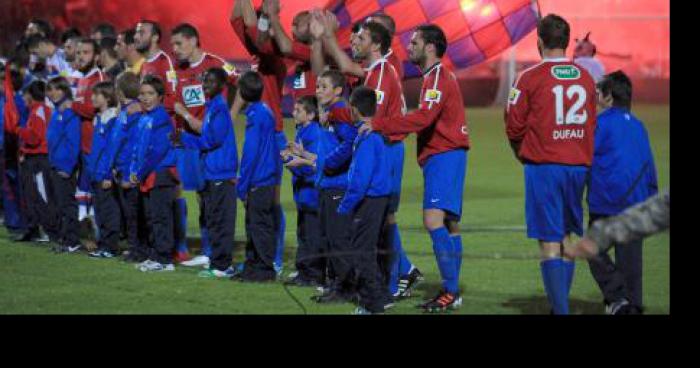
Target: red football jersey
161, 65
190, 89
440, 120
382, 77
33, 136
304, 77
82, 105
396, 63
270, 65
551, 113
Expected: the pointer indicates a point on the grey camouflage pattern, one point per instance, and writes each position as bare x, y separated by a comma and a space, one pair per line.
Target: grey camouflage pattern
637, 222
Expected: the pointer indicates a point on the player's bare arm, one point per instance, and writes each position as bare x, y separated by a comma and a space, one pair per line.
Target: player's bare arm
330, 44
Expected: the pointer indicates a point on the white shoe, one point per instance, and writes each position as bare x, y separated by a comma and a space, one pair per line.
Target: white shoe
143, 264
200, 260
157, 267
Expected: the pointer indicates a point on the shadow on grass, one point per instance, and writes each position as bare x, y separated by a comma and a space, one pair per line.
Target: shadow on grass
527, 305
538, 304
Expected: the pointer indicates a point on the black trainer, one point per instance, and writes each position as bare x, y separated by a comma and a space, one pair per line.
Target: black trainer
408, 282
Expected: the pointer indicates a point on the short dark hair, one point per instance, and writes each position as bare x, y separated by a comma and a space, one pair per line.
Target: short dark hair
336, 77
105, 29
379, 35
37, 90
43, 25
156, 28
129, 36
187, 30
61, 83
70, 33
357, 26
108, 45
364, 99
554, 31
90, 41
128, 84
618, 85
389, 20
251, 86
155, 82
433, 34
309, 103
36, 39
106, 89
218, 73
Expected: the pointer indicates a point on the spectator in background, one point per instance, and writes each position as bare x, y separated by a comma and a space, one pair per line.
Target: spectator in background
103, 30
584, 55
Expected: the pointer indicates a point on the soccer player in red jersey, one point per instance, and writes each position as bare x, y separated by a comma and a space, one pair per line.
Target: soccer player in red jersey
296, 50
550, 121
443, 143
147, 38
192, 65
389, 23
372, 42
88, 51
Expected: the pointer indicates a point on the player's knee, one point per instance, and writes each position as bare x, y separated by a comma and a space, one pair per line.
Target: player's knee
391, 219
433, 219
549, 250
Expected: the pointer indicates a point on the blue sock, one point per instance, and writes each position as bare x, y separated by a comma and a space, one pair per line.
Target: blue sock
570, 267
206, 242
457, 253
405, 265
279, 253
442, 248
555, 281
181, 204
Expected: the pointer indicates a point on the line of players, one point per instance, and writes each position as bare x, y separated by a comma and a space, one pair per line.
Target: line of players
346, 179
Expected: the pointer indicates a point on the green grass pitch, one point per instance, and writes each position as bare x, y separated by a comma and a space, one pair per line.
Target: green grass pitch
500, 272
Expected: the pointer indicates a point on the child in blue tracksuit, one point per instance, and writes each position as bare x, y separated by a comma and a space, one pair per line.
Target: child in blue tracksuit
310, 260
119, 154
367, 201
99, 164
63, 140
622, 174
217, 146
260, 165
337, 139
153, 168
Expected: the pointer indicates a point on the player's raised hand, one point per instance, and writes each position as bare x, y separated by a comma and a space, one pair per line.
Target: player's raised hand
316, 26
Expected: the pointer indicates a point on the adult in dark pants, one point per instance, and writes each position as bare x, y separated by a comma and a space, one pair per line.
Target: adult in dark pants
258, 177
153, 168
622, 174
63, 139
120, 153
35, 171
217, 146
99, 162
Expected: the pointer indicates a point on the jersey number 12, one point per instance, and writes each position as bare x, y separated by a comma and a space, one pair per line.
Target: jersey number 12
575, 115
